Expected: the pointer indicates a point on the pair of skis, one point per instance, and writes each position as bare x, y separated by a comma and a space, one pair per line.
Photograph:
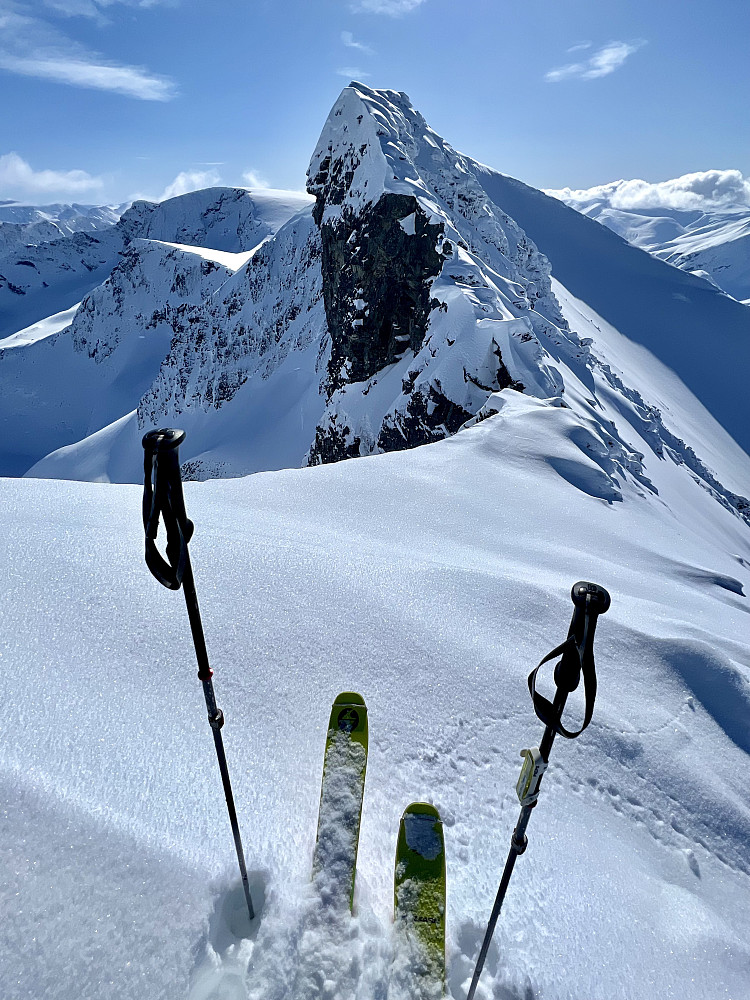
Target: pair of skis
419, 875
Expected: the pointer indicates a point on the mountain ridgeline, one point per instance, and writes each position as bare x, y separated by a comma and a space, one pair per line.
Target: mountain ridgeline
380, 311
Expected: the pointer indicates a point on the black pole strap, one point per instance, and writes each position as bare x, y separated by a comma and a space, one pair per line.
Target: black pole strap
585, 665
163, 499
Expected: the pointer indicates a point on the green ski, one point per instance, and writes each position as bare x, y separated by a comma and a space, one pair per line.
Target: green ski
341, 793
419, 896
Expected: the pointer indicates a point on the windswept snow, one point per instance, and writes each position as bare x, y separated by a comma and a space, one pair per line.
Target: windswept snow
431, 581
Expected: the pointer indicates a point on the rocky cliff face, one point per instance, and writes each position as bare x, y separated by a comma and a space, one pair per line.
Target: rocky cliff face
428, 287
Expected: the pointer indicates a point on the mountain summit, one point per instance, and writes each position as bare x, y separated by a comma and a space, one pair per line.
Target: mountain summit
411, 291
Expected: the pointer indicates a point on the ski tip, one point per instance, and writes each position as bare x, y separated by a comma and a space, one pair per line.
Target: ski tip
420, 840
422, 809
349, 698
349, 715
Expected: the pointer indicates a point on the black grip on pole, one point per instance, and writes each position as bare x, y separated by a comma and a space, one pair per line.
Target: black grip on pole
577, 657
162, 497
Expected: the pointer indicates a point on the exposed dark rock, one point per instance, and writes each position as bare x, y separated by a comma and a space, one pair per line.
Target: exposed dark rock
376, 283
332, 445
427, 418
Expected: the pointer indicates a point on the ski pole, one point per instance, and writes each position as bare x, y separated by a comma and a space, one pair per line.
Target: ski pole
577, 657
163, 497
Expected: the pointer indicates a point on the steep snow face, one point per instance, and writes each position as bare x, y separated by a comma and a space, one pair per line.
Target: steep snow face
712, 244
62, 387
434, 297
244, 368
232, 219
36, 281
700, 333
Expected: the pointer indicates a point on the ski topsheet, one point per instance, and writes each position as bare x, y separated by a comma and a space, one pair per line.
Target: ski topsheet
419, 896
342, 790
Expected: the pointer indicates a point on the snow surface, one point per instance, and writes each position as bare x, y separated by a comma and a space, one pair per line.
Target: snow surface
431, 581
41, 330
686, 323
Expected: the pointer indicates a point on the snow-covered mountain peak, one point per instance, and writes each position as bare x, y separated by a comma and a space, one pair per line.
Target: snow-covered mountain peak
223, 218
413, 251
367, 147
375, 143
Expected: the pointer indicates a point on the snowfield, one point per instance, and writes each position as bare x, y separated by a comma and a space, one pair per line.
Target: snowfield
431, 581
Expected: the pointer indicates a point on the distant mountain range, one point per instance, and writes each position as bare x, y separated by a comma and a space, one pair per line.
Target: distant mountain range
384, 309
711, 243
21, 225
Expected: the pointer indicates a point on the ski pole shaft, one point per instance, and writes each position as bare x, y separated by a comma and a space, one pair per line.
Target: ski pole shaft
215, 720
518, 844
576, 657
163, 498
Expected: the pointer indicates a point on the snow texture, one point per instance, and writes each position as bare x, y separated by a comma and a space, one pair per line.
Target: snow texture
432, 581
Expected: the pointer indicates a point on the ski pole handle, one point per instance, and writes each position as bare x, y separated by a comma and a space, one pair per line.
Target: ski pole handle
576, 658
163, 497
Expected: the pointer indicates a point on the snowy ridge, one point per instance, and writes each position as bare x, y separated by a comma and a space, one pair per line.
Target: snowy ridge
36, 281
232, 219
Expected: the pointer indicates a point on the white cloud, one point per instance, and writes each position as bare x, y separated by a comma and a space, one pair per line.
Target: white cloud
94, 8
31, 46
579, 47
347, 38
129, 80
609, 58
702, 191
394, 8
255, 180
18, 179
352, 73
189, 180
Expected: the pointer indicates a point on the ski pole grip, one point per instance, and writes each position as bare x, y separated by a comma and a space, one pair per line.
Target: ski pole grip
162, 497
590, 598
577, 657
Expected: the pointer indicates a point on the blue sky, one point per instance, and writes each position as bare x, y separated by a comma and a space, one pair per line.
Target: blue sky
104, 100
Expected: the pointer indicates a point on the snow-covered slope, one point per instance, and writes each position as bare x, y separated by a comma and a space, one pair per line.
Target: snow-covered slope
36, 281
101, 379
702, 335
712, 243
432, 581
